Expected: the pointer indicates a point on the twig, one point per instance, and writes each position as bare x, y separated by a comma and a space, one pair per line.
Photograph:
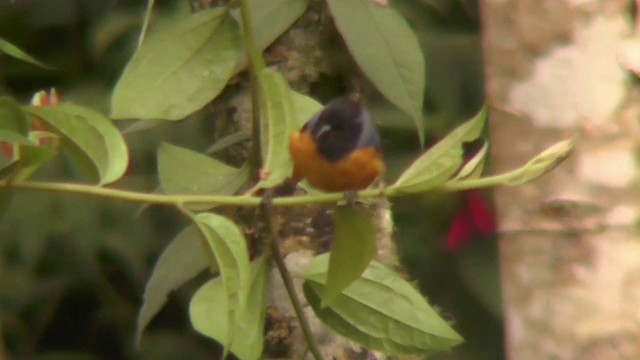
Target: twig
228, 200
256, 64
265, 205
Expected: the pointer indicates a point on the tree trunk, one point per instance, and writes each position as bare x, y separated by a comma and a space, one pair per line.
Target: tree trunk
569, 243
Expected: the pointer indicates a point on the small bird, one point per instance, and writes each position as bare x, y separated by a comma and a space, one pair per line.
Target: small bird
338, 150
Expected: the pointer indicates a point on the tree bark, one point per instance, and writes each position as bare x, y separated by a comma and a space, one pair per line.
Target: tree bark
569, 243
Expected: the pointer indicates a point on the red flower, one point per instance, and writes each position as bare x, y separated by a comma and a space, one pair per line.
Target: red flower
474, 218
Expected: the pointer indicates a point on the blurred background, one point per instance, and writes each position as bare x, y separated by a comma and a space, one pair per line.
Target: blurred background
73, 269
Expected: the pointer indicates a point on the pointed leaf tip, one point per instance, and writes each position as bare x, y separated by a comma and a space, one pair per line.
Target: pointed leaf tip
208, 314
90, 138
279, 120
441, 161
388, 52
180, 261
185, 171
229, 248
353, 248
380, 311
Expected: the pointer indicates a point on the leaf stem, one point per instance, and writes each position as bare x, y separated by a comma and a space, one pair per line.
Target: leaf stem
145, 23
256, 64
286, 276
232, 200
175, 199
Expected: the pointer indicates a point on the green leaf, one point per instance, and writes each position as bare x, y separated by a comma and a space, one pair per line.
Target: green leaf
188, 172
12, 50
208, 313
14, 137
305, 108
442, 161
536, 167
541, 163
272, 18
279, 120
31, 158
28, 156
13, 117
9, 170
229, 248
147, 20
115, 26
141, 125
473, 168
227, 141
180, 261
380, 311
179, 70
386, 50
352, 250
89, 136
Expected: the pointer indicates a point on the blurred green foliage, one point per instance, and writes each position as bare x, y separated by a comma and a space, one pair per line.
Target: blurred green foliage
72, 269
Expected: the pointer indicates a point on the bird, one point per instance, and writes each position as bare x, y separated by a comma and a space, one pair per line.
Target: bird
338, 149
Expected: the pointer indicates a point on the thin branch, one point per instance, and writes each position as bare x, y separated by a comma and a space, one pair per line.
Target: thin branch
286, 277
145, 23
256, 64
229, 200
175, 199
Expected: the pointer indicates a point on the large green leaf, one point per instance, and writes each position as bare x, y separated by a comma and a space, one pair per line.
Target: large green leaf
90, 136
229, 248
179, 70
279, 120
442, 161
380, 311
180, 261
208, 313
386, 50
12, 50
188, 172
272, 18
352, 250
13, 117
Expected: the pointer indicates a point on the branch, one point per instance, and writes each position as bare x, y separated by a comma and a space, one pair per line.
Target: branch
286, 277
224, 200
256, 64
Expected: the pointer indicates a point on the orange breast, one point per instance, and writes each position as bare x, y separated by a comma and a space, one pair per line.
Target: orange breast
356, 171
